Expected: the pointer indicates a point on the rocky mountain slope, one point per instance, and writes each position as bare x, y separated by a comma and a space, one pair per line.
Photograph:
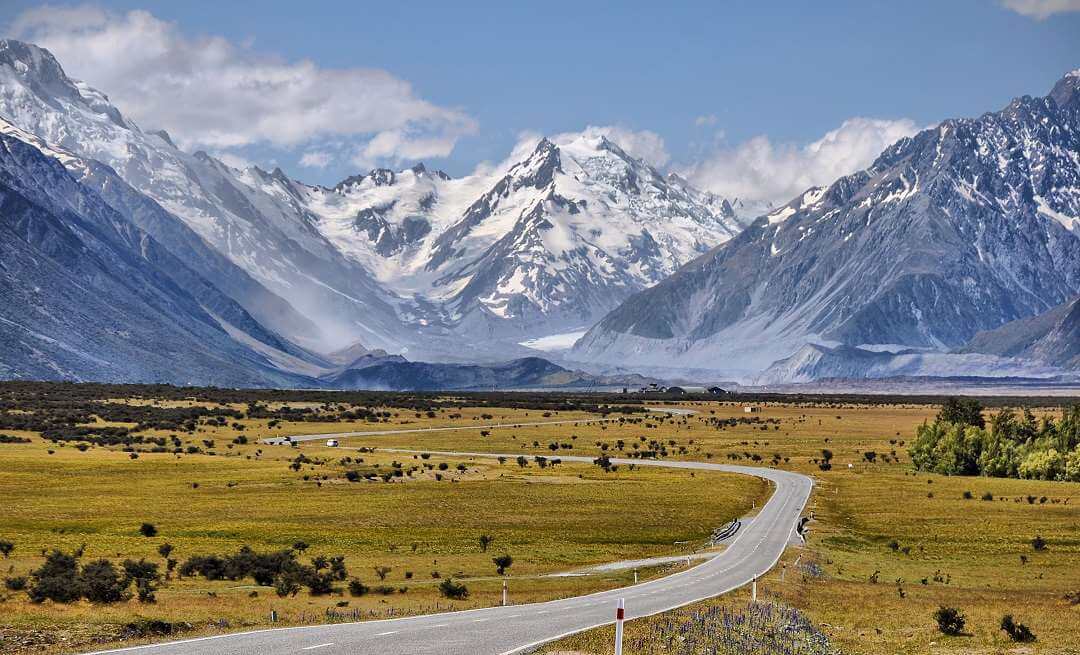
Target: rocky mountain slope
86, 295
961, 228
1051, 338
271, 237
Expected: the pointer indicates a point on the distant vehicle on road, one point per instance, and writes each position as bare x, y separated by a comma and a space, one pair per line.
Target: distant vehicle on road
333, 443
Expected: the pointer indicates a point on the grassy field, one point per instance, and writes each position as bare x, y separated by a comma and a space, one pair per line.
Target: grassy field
892, 546
553, 519
880, 529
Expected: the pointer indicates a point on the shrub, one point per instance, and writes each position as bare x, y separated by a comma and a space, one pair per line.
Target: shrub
15, 583
1038, 543
357, 588
502, 562
968, 495
485, 541
286, 585
1016, 631
381, 571
148, 530
165, 550
57, 579
988, 496
100, 582
949, 620
6, 548
453, 590
384, 590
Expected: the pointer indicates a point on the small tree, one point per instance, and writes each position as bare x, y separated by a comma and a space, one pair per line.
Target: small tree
502, 562
165, 550
381, 571
6, 548
485, 541
1016, 631
357, 588
453, 590
962, 411
148, 530
950, 620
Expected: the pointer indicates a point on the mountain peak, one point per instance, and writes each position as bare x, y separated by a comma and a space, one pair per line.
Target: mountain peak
1066, 93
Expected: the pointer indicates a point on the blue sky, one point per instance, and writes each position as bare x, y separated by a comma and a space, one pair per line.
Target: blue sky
701, 76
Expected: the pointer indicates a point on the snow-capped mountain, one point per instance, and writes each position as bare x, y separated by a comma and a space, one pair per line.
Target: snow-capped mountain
406, 261
961, 228
548, 244
269, 235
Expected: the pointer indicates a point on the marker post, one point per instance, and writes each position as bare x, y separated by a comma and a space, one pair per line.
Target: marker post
619, 615
505, 593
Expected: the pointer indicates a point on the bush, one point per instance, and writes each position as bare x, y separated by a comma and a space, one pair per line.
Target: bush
357, 588
502, 562
286, 585
15, 583
6, 548
453, 590
1038, 543
100, 582
148, 530
1016, 631
988, 496
57, 579
949, 620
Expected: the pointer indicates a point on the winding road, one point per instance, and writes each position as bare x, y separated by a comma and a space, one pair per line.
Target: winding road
514, 629
519, 628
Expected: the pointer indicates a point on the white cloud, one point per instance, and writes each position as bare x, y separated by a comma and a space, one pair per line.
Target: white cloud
211, 93
316, 159
1041, 9
642, 144
707, 120
234, 160
760, 171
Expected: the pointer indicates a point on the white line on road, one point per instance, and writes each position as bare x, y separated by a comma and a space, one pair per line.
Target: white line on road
388, 632
317, 646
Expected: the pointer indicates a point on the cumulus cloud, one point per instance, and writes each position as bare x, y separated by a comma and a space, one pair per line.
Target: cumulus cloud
759, 170
1041, 9
641, 144
212, 93
316, 159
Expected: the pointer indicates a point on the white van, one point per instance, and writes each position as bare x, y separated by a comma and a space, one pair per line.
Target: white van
332, 443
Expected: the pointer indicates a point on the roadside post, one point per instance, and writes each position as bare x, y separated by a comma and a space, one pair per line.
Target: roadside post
619, 614
505, 593
753, 591
635, 576
273, 616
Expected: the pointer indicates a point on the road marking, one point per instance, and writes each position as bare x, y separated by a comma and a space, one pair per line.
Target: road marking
317, 646
388, 632
480, 620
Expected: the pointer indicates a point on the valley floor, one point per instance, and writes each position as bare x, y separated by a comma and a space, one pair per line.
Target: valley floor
887, 546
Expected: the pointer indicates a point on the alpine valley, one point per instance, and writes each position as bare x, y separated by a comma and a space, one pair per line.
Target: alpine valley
128, 259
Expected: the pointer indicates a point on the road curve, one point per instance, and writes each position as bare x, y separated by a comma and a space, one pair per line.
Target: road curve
517, 628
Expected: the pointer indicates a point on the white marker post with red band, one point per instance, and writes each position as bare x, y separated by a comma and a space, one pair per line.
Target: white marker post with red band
620, 613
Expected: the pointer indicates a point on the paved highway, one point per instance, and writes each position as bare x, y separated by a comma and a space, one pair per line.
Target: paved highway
518, 628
